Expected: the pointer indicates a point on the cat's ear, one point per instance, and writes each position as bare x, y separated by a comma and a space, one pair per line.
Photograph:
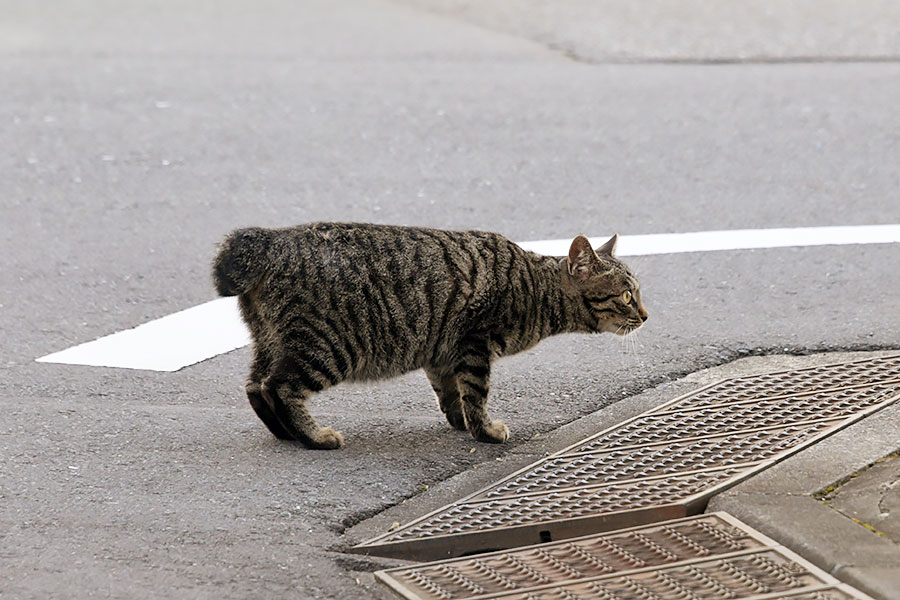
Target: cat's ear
609, 247
581, 257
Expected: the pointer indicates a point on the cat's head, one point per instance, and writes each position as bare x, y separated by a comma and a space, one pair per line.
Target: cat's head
609, 292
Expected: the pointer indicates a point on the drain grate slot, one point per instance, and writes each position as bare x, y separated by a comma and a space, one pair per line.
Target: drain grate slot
707, 557
662, 464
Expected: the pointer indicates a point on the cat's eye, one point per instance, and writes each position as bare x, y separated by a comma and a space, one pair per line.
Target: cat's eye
626, 297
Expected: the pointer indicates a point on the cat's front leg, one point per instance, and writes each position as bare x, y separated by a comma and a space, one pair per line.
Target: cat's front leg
473, 375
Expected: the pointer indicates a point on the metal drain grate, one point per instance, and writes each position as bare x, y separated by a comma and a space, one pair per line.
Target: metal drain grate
827, 377
665, 463
707, 557
687, 422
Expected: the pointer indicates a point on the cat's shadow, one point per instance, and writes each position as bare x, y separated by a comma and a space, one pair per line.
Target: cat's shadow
365, 440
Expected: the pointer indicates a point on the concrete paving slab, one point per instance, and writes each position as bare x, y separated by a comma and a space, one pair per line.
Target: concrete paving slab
872, 497
814, 533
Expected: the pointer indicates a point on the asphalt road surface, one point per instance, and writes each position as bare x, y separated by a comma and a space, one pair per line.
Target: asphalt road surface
134, 137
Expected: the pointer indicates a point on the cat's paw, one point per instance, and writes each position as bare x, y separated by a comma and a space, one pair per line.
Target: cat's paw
496, 432
326, 438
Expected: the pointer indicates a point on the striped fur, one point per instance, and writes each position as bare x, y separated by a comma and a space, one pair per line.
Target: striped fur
332, 302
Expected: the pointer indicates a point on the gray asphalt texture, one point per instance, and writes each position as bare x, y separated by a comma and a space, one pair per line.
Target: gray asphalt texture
134, 137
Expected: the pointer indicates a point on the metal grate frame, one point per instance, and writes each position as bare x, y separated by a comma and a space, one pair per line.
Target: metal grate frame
698, 558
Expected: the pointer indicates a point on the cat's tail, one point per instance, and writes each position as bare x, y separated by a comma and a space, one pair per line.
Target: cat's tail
241, 261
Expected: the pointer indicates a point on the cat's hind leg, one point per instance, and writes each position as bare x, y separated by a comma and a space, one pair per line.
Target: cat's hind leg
286, 389
264, 409
473, 374
446, 387
259, 368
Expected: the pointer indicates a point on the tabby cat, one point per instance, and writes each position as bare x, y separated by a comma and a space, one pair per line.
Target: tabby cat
333, 302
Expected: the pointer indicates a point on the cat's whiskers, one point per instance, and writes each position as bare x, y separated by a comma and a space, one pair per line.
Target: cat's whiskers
630, 338
622, 333
633, 338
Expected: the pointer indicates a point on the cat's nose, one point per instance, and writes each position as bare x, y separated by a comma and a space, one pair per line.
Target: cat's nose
643, 314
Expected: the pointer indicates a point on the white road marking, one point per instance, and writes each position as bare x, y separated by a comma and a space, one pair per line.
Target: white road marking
196, 334
165, 344
737, 239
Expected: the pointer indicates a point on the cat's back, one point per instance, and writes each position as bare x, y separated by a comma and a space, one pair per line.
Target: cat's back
355, 253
